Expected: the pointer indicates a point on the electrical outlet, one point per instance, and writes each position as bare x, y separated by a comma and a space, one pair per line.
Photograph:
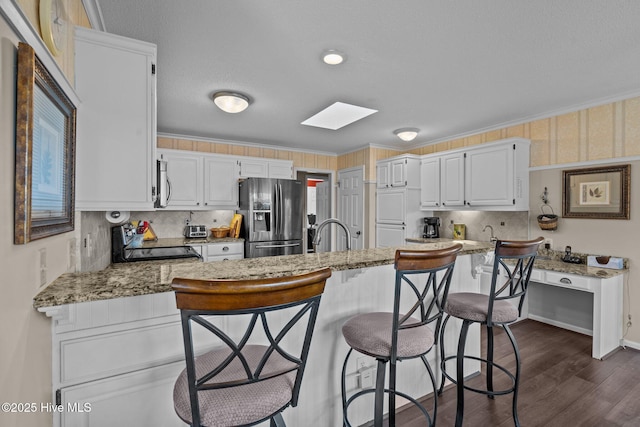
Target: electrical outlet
361, 363
548, 243
629, 321
366, 378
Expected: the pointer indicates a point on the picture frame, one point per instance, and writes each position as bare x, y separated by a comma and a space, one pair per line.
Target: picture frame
597, 192
45, 153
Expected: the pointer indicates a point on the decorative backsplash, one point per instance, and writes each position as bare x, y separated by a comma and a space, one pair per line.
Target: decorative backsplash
171, 223
506, 225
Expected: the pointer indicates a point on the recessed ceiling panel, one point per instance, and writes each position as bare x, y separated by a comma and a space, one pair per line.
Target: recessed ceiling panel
338, 115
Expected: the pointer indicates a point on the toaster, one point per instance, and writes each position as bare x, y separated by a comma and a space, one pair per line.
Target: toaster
191, 231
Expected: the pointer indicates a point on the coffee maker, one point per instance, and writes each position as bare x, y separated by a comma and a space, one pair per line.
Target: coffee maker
431, 227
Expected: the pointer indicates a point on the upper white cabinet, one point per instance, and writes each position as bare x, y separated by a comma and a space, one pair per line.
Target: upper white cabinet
252, 167
200, 180
400, 171
116, 123
492, 176
452, 180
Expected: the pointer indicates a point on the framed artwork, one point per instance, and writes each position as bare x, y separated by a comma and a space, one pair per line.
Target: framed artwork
45, 153
600, 192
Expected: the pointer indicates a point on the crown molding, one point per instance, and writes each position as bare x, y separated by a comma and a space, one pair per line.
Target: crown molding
94, 13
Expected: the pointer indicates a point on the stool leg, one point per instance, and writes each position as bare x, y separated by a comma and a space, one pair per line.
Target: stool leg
344, 388
490, 361
392, 394
435, 394
442, 362
460, 372
514, 344
379, 395
277, 421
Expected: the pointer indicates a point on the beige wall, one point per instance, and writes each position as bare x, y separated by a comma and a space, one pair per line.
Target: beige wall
300, 159
25, 343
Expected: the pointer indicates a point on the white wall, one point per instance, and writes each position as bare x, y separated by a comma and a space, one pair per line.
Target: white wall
25, 336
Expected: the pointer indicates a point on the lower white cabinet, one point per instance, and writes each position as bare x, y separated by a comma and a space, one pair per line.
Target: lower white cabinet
223, 251
389, 235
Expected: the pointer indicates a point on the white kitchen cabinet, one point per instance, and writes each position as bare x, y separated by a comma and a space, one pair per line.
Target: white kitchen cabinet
452, 180
252, 167
199, 181
220, 182
493, 176
389, 235
400, 171
184, 177
391, 207
497, 175
222, 251
430, 182
116, 122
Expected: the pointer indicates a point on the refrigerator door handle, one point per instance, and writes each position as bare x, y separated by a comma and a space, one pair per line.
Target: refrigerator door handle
287, 245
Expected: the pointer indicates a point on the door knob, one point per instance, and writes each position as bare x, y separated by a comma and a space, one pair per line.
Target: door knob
358, 233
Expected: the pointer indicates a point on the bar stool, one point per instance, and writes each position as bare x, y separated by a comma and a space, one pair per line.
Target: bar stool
393, 337
244, 378
512, 264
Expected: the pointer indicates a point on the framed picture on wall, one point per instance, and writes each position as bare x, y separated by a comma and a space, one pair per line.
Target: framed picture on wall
599, 192
45, 152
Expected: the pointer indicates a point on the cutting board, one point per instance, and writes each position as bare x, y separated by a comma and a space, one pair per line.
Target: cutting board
236, 223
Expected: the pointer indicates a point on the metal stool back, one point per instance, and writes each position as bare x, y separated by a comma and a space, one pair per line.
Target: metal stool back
396, 336
252, 373
512, 267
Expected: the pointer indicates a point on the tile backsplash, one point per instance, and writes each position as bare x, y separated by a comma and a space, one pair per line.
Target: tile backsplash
506, 225
171, 223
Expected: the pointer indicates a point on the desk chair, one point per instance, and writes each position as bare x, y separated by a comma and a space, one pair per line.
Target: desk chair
251, 376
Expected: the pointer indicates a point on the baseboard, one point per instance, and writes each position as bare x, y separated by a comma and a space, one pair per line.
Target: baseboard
561, 325
631, 344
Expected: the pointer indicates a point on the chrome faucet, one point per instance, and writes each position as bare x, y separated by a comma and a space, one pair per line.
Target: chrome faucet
317, 238
493, 238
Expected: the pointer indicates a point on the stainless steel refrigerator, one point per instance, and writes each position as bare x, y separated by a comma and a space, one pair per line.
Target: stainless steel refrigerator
272, 211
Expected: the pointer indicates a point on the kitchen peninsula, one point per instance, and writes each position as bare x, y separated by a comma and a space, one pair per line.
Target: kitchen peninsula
117, 338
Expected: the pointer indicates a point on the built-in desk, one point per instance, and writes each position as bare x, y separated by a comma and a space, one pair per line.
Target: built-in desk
589, 305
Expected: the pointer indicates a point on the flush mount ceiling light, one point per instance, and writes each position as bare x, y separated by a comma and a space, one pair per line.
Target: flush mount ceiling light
407, 134
231, 102
333, 57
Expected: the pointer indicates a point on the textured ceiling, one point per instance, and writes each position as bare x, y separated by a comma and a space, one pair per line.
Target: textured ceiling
445, 67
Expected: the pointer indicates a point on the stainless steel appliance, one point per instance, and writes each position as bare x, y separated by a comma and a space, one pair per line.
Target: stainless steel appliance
431, 227
273, 216
123, 235
195, 231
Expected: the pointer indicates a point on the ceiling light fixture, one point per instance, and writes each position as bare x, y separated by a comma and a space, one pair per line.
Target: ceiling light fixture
407, 134
231, 102
333, 57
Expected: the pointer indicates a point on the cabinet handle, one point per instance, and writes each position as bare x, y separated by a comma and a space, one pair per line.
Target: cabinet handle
438, 204
565, 280
225, 249
444, 204
198, 204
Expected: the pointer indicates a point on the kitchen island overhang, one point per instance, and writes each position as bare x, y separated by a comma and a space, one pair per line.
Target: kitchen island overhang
117, 332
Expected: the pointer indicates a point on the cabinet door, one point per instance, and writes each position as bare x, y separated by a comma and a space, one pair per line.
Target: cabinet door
116, 123
383, 174
452, 180
220, 182
398, 170
391, 206
184, 174
390, 235
141, 398
283, 170
489, 176
254, 168
430, 182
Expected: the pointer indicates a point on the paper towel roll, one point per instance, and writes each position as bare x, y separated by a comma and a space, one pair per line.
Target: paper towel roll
117, 217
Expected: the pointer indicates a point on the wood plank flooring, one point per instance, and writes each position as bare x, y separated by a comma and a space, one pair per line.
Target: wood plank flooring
561, 385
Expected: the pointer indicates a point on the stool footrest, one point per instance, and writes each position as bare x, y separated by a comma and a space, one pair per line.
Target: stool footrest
476, 390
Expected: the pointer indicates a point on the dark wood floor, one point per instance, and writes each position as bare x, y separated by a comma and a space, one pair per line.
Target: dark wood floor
561, 385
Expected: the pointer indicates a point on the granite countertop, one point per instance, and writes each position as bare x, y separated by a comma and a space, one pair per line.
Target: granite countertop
141, 278
551, 260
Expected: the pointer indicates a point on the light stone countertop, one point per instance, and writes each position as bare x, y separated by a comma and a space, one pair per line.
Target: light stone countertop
141, 278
